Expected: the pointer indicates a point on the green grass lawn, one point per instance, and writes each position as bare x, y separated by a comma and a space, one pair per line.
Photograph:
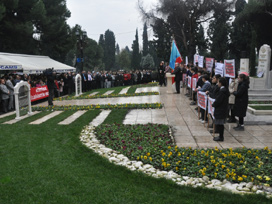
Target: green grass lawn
48, 164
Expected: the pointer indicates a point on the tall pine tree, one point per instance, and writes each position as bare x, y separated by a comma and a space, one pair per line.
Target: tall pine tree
136, 56
145, 41
109, 50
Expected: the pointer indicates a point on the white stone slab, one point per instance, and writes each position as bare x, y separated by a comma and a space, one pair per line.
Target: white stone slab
108, 93
94, 93
100, 118
124, 91
7, 114
23, 117
147, 89
72, 118
45, 118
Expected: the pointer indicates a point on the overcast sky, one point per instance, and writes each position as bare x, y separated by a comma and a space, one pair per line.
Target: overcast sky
120, 16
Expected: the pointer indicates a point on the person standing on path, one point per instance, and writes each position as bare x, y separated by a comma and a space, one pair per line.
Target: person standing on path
241, 100
10, 87
178, 76
4, 95
221, 108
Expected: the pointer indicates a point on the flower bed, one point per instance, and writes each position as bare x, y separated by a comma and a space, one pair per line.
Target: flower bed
105, 96
260, 102
152, 144
99, 106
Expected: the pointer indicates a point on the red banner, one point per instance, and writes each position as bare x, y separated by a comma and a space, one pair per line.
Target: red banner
189, 81
209, 64
38, 93
210, 107
202, 99
194, 84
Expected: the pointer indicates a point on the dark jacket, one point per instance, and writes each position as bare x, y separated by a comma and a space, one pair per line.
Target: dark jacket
50, 82
221, 103
241, 99
214, 89
178, 74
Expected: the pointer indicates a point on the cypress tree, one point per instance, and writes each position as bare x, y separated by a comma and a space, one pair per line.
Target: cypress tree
145, 41
109, 50
136, 56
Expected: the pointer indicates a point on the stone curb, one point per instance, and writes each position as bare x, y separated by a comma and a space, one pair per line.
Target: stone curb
89, 139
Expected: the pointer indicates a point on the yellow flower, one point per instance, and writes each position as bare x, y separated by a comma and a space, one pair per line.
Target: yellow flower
163, 154
244, 176
266, 148
198, 163
227, 176
148, 154
240, 178
138, 158
170, 153
252, 179
213, 161
162, 159
169, 147
184, 169
215, 174
223, 166
161, 151
142, 156
234, 178
187, 157
267, 185
267, 178
150, 158
176, 168
259, 177
212, 157
203, 174
145, 157
168, 165
176, 147
179, 154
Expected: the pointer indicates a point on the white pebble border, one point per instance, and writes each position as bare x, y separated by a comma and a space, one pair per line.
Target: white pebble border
89, 139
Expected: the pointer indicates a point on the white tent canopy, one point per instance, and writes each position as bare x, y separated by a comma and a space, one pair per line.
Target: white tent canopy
31, 64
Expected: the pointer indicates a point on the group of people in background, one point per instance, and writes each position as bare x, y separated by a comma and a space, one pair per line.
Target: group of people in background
64, 83
231, 95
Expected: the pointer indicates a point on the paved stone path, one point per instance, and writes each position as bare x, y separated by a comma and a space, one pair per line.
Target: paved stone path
45, 118
147, 89
187, 130
124, 91
72, 118
94, 93
100, 118
108, 92
22, 118
7, 114
146, 116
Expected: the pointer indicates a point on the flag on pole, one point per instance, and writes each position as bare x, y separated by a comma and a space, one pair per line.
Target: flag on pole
175, 55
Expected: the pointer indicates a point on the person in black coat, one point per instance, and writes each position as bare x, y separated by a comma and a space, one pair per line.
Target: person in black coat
221, 108
161, 72
178, 76
241, 100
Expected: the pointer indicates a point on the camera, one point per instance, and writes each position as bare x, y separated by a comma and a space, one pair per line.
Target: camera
48, 72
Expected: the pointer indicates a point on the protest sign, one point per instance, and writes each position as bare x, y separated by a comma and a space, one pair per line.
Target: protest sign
229, 68
184, 78
202, 100
189, 81
194, 84
209, 64
196, 59
219, 69
210, 107
201, 61
186, 60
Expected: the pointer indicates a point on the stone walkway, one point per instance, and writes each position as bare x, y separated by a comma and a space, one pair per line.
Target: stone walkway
108, 92
187, 130
125, 90
94, 93
100, 118
147, 89
72, 118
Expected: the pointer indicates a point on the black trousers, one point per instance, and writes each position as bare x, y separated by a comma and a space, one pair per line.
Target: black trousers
5, 105
178, 86
51, 96
220, 129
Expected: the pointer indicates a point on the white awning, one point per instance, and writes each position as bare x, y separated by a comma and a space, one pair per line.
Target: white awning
31, 64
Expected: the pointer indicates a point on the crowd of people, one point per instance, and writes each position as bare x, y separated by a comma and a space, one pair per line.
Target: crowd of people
64, 83
231, 95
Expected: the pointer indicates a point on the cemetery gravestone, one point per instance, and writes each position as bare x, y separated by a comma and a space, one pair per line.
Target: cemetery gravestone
78, 83
22, 98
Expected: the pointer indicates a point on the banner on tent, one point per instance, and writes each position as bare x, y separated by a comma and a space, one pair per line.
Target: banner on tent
202, 100
39, 93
